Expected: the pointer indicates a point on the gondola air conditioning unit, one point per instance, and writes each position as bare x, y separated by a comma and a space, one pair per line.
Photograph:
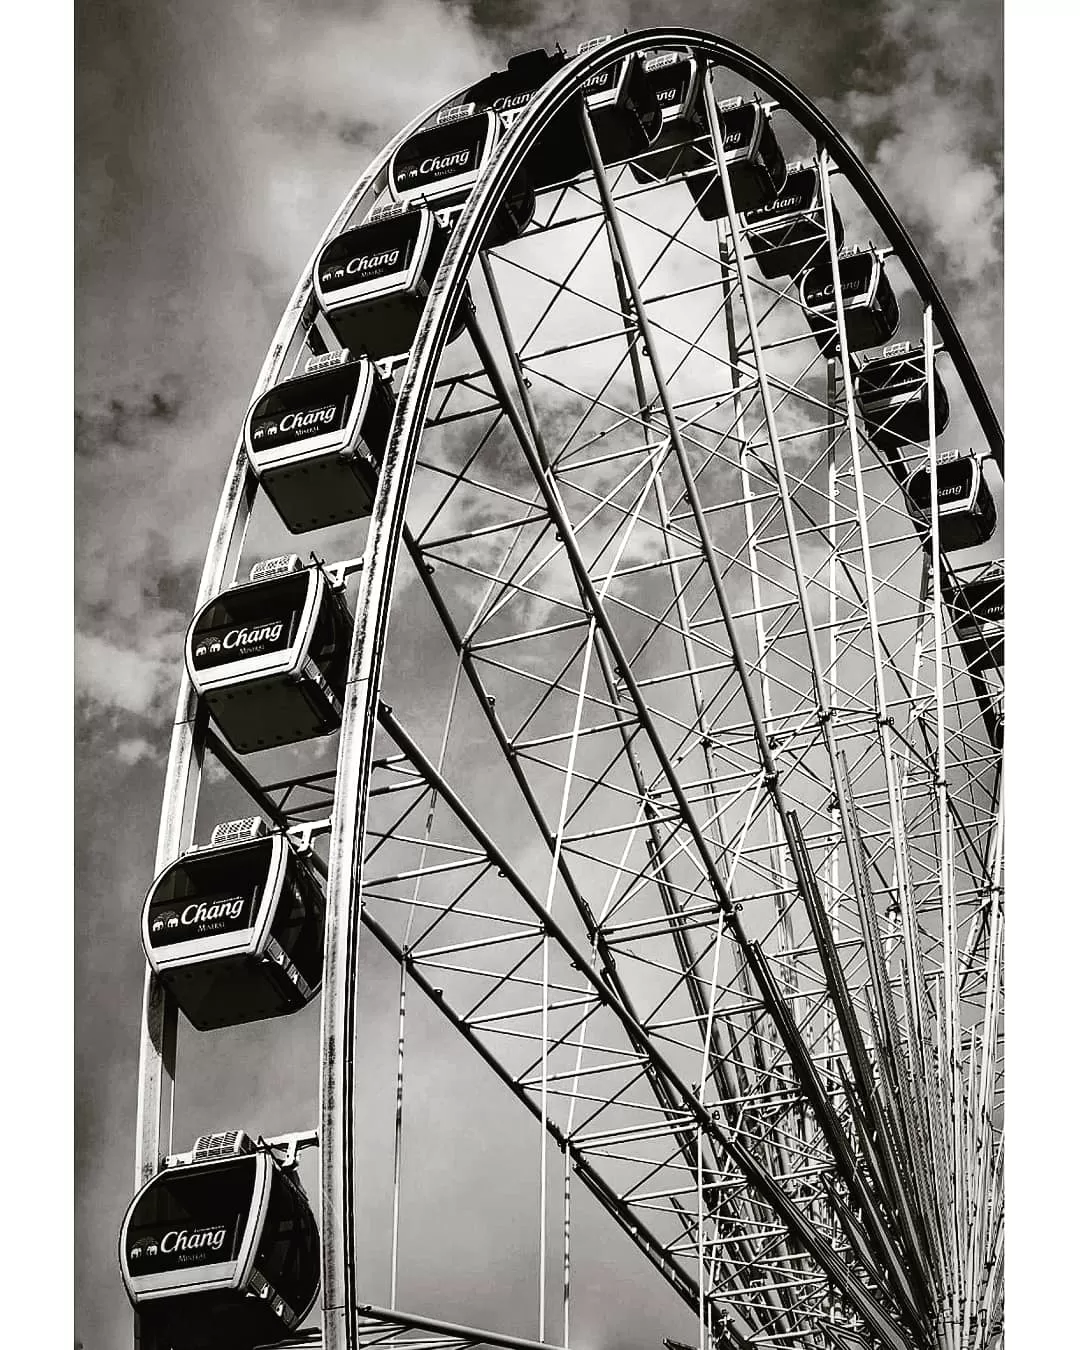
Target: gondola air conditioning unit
270, 658
222, 1252
234, 931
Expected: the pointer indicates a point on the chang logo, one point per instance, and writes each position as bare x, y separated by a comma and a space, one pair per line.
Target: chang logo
440, 163
250, 637
192, 1240
208, 648
371, 262
216, 909
511, 101
305, 421
824, 294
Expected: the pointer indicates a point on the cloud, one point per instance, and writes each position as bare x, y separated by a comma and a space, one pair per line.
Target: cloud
135, 749
926, 114
937, 179
133, 680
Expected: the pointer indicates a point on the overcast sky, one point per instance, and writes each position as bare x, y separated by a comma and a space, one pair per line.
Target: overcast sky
214, 141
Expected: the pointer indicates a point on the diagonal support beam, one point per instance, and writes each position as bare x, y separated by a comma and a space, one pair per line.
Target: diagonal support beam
766, 1186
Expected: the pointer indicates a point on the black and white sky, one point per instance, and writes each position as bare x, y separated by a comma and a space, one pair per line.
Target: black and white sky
213, 142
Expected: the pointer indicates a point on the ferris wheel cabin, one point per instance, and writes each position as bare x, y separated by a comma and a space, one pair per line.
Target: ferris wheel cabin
234, 930
676, 81
372, 282
220, 1251
440, 165
269, 657
753, 157
506, 92
559, 152
893, 397
871, 314
788, 235
622, 106
316, 442
966, 512
977, 605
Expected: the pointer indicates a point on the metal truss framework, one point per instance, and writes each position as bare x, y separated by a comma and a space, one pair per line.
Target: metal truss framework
701, 850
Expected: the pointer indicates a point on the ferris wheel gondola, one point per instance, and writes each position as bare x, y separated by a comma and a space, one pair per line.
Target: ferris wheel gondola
316, 441
678, 87
558, 153
372, 282
788, 234
752, 156
269, 658
623, 109
219, 1251
977, 604
871, 313
894, 398
966, 512
234, 930
439, 167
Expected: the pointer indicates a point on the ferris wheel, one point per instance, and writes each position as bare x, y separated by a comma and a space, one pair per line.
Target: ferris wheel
638, 694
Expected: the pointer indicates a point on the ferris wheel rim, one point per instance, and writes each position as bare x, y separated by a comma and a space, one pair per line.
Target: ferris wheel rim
345, 884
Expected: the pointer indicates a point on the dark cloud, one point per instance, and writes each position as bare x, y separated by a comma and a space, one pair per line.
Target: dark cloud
119, 424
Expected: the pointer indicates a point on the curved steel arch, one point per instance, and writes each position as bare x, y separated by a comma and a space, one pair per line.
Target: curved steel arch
361, 718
